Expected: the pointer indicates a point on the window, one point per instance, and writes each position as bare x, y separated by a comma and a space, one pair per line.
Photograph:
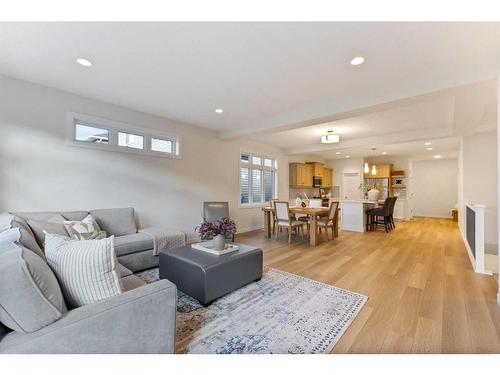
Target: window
87, 133
108, 135
130, 140
162, 145
257, 179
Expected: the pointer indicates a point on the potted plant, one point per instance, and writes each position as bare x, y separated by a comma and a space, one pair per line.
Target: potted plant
217, 231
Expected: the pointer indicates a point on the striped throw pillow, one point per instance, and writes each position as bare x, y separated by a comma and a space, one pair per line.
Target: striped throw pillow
87, 270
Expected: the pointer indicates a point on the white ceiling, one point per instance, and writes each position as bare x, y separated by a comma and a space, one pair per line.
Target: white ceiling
264, 75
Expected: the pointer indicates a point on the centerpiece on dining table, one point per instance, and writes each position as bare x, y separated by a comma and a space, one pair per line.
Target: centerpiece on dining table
213, 235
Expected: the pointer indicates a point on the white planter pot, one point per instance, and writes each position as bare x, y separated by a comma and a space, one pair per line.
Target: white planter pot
219, 242
373, 195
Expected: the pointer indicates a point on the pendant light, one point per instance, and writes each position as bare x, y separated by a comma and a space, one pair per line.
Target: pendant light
374, 170
367, 168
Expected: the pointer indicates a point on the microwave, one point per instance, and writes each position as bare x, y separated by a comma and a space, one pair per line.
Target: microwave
317, 181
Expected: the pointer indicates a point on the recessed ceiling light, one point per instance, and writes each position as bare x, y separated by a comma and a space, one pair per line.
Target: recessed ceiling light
338, 153
427, 143
219, 110
384, 153
347, 156
437, 156
429, 148
84, 62
358, 60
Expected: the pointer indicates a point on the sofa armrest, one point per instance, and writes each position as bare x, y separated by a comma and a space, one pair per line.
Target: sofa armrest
138, 321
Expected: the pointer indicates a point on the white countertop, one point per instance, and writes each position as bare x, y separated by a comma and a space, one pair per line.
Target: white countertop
360, 201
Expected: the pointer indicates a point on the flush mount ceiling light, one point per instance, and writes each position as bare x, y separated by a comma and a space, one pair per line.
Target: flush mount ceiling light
84, 62
338, 153
374, 170
219, 110
347, 156
367, 168
437, 156
429, 148
330, 137
384, 153
427, 143
358, 60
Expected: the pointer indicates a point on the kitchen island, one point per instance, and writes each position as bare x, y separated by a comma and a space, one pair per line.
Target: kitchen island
353, 214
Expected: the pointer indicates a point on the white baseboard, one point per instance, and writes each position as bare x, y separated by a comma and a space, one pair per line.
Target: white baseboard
433, 216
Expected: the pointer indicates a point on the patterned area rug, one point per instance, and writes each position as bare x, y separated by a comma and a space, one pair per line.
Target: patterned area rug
281, 313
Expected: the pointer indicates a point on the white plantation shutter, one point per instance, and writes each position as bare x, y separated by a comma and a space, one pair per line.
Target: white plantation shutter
256, 186
244, 186
268, 185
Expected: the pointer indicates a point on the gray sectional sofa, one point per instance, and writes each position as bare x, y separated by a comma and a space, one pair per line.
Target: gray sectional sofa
140, 320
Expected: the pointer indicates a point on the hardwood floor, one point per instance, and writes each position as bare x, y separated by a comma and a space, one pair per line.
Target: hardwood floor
424, 296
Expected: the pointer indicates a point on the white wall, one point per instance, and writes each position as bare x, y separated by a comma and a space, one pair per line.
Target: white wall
39, 172
340, 166
478, 155
434, 186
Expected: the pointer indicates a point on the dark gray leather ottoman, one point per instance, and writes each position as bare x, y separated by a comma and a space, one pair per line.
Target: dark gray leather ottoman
205, 276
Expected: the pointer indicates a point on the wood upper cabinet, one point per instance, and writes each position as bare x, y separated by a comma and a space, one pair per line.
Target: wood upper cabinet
301, 175
317, 169
327, 177
383, 171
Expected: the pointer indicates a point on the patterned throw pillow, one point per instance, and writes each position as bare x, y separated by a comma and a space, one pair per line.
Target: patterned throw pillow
87, 229
87, 270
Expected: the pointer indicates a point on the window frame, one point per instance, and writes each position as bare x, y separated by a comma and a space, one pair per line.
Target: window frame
250, 166
114, 127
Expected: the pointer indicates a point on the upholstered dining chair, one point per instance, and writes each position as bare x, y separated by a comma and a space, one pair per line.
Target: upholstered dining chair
213, 211
313, 203
283, 220
330, 220
383, 212
273, 214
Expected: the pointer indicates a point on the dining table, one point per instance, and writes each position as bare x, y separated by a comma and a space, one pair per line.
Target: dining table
314, 214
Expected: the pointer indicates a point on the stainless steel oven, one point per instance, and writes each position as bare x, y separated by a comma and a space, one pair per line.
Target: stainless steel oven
317, 181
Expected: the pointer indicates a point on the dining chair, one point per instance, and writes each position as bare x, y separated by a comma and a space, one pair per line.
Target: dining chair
273, 214
283, 220
330, 220
213, 211
374, 214
315, 203
391, 212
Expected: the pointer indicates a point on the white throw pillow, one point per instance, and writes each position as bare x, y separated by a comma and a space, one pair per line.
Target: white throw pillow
87, 229
87, 270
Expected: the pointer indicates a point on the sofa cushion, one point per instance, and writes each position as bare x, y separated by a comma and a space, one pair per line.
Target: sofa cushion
54, 225
47, 215
115, 221
124, 271
26, 236
133, 243
132, 282
30, 296
87, 269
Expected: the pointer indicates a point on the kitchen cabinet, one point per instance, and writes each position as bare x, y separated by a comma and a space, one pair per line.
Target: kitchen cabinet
383, 171
317, 169
301, 175
327, 177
